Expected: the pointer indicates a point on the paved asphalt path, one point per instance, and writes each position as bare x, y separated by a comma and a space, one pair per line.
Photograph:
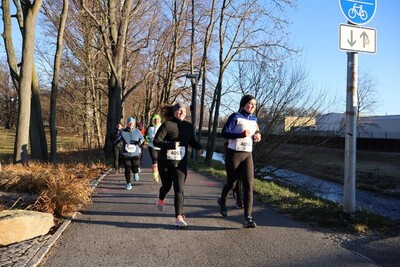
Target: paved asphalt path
125, 228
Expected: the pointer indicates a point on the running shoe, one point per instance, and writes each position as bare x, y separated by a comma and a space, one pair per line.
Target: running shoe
139, 170
136, 177
180, 222
249, 223
156, 178
239, 204
160, 204
128, 186
234, 194
222, 208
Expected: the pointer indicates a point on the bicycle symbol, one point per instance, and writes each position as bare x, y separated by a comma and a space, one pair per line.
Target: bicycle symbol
358, 10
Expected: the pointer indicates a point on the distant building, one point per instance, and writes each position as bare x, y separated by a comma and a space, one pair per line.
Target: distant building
331, 122
385, 127
292, 123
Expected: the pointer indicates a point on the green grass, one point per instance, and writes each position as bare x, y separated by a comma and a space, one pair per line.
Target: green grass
67, 143
6, 145
304, 206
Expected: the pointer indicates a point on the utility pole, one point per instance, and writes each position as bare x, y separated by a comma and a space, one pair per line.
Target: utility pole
194, 78
354, 39
349, 194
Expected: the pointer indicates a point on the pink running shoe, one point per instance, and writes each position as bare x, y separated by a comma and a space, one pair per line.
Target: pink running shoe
160, 204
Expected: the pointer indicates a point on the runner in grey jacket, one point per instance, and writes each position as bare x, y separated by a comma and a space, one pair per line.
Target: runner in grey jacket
132, 141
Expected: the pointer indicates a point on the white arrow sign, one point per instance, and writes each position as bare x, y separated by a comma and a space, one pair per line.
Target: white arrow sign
357, 39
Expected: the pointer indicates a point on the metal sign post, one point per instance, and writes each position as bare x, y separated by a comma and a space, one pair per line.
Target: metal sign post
349, 191
194, 80
354, 39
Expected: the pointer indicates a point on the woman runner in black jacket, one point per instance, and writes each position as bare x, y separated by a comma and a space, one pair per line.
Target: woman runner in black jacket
173, 138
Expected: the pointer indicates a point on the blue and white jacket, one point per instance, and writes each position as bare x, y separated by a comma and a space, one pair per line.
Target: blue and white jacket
233, 131
132, 141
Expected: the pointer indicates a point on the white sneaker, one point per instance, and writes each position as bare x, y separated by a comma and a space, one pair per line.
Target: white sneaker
128, 186
180, 222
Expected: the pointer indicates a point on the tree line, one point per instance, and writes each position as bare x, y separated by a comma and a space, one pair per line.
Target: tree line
86, 65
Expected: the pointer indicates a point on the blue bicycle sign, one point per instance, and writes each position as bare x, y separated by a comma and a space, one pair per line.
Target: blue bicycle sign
358, 11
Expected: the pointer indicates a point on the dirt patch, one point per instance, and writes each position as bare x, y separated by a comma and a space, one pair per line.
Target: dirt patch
16, 200
375, 171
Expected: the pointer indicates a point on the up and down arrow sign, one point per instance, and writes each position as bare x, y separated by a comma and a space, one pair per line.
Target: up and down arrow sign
357, 39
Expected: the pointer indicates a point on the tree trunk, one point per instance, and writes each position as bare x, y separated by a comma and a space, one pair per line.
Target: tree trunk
8, 43
55, 83
24, 108
213, 122
207, 40
114, 36
37, 135
113, 115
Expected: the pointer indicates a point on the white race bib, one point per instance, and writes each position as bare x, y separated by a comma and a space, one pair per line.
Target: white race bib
130, 148
176, 154
244, 144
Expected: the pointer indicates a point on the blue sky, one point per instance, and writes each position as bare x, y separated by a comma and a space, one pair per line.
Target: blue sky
315, 28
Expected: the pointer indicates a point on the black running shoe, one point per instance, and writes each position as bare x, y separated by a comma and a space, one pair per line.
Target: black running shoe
239, 204
249, 223
222, 208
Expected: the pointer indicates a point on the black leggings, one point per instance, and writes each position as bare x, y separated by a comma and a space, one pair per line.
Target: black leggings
131, 164
239, 164
153, 154
176, 176
237, 190
117, 158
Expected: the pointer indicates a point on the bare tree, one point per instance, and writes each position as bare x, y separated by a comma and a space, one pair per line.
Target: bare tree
244, 26
113, 23
204, 63
367, 94
55, 82
25, 79
8, 98
286, 99
26, 13
37, 135
8, 41
367, 100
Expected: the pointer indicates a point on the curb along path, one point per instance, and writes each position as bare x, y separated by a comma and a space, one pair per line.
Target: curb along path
31, 252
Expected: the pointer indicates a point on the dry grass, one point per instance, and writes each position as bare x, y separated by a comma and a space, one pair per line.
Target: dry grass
59, 189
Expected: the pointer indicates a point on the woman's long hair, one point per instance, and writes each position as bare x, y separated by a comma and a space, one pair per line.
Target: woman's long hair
167, 112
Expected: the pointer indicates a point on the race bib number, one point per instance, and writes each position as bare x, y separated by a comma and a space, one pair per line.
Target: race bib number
244, 144
176, 154
130, 148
